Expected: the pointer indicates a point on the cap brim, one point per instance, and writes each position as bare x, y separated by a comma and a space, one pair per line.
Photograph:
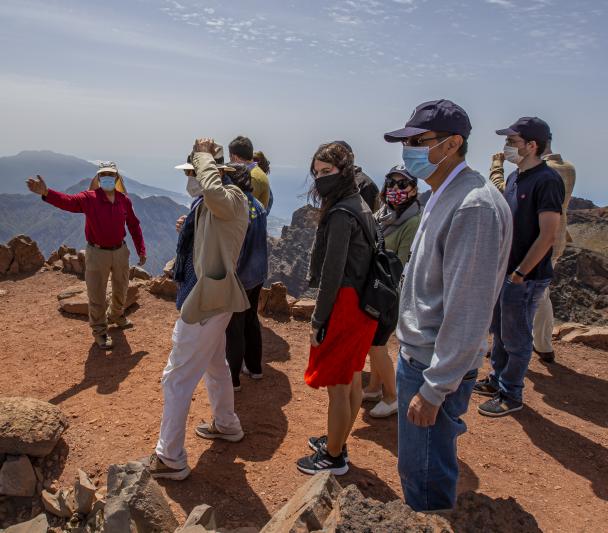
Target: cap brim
107, 169
398, 135
226, 168
185, 166
507, 131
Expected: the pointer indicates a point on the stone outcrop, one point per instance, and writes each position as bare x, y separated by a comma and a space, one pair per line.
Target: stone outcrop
589, 229
164, 285
274, 301
579, 291
303, 309
29, 426
137, 272
289, 256
20, 255
17, 477
40, 524
595, 337
135, 502
74, 299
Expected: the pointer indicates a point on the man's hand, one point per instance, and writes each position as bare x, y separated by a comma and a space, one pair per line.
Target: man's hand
180, 223
515, 279
37, 186
205, 145
313, 337
421, 412
500, 156
142, 260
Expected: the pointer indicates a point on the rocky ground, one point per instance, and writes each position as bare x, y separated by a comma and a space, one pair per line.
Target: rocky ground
550, 461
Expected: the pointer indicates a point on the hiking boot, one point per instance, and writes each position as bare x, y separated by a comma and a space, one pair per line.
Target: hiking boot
546, 357
320, 443
372, 396
247, 372
208, 430
104, 342
485, 387
321, 461
122, 322
383, 409
498, 406
160, 470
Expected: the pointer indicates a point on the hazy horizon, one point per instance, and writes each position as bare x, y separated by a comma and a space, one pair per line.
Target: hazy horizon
137, 81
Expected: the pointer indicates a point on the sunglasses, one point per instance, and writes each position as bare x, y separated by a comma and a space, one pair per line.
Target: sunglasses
401, 184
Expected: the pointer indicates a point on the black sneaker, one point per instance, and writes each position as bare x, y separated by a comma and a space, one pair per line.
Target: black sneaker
321, 461
499, 406
546, 357
318, 443
484, 387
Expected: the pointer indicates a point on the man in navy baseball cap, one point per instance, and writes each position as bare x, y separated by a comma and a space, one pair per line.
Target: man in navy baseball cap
529, 128
455, 271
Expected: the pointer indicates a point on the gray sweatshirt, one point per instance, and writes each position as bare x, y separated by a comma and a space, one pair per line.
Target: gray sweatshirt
452, 282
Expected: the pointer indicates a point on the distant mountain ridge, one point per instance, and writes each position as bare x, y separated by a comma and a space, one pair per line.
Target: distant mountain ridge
62, 171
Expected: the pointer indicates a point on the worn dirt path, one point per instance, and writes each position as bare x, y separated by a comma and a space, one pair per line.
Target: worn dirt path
552, 458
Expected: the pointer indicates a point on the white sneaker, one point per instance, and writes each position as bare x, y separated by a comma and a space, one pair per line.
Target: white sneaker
372, 396
383, 409
246, 371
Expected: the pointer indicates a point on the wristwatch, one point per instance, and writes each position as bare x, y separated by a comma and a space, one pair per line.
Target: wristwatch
519, 273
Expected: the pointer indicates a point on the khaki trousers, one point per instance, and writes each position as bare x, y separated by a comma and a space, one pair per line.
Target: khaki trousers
99, 265
543, 324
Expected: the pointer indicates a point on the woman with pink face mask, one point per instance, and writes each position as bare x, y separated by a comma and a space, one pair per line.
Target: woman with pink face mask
399, 218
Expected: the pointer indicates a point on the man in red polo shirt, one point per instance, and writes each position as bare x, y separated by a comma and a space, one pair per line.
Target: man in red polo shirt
107, 211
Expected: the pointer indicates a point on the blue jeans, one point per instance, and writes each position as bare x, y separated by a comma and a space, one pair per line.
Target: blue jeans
428, 461
512, 328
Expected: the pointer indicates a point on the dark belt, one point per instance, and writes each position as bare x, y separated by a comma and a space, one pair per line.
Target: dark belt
107, 247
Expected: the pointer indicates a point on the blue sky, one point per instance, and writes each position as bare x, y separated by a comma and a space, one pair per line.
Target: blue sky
137, 80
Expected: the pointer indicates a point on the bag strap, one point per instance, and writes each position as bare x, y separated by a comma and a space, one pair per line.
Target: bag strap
378, 241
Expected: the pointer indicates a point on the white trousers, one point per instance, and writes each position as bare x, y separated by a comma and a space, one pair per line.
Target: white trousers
199, 350
543, 324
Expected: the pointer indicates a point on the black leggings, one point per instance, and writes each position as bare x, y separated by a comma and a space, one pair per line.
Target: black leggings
244, 339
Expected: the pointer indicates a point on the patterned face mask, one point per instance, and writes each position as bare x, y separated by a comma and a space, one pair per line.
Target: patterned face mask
396, 197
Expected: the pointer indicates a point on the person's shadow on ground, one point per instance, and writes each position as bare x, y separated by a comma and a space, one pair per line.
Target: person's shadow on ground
105, 370
578, 394
574, 451
220, 477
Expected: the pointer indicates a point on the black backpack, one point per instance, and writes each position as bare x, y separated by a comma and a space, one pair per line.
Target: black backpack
380, 295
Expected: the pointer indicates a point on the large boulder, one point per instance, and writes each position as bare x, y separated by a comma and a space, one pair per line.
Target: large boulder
27, 255
29, 426
74, 299
309, 507
6, 258
274, 301
595, 337
17, 477
39, 524
136, 272
303, 309
135, 502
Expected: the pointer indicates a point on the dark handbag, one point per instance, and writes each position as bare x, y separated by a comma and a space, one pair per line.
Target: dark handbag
380, 295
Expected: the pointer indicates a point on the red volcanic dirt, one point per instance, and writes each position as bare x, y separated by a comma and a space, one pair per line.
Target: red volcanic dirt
551, 458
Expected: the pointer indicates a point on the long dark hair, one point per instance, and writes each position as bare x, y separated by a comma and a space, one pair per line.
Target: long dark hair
260, 158
241, 177
335, 154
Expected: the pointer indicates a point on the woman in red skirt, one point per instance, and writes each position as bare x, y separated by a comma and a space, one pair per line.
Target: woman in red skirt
341, 334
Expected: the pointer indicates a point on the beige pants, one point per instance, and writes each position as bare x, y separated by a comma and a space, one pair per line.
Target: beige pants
543, 324
99, 265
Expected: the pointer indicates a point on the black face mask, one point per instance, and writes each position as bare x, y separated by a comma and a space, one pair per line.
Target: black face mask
326, 184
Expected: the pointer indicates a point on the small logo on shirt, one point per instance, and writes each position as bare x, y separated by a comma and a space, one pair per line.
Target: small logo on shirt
522, 197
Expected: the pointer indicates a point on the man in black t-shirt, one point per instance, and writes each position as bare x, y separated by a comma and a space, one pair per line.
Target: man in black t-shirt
535, 193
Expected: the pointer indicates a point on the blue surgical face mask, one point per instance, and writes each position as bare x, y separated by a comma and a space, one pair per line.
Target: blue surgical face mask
416, 161
107, 183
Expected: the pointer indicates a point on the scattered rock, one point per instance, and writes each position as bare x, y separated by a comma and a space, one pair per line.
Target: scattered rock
353, 512
60, 504
17, 477
163, 286
6, 258
201, 515
168, 269
595, 337
275, 300
75, 300
309, 507
29, 426
26, 254
54, 257
136, 502
136, 272
64, 249
36, 525
303, 309
84, 493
